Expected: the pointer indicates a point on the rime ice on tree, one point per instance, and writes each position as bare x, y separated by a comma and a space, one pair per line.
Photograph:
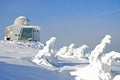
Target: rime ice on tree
70, 51
46, 56
100, 64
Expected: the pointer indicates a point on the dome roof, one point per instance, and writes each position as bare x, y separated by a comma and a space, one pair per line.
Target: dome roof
22, 20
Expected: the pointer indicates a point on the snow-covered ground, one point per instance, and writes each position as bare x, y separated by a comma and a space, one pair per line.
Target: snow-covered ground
34, 61
16, 63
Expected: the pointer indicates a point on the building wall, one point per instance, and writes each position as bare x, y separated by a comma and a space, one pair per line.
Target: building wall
36, 36
14, 32
8, 33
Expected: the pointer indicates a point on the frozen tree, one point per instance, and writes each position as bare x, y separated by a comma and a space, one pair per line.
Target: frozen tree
98, 51
62, 51
100, 63
66, 51
107, 60
71, 51
46, 56
79, 52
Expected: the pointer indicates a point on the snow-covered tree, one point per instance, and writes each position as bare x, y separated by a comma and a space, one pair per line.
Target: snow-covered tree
79, 52
72, 51
100, 63
46, 56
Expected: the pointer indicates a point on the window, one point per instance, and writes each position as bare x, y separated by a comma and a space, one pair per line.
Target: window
8, 39
26, 34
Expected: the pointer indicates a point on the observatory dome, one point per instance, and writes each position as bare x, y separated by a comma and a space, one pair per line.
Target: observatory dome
22, 20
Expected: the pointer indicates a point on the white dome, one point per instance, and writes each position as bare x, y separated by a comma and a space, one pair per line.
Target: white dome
22, 20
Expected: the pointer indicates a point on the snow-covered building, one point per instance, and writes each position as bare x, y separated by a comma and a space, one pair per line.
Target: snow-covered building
22, 30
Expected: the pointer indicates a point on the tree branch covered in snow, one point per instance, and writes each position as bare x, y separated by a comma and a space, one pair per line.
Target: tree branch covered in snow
97, 53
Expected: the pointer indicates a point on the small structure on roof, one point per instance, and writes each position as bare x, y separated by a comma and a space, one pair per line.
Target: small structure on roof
22, 30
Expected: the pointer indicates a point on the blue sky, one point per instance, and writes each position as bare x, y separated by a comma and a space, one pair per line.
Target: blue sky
70, 21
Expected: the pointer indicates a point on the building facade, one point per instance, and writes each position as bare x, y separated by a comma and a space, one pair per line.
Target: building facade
22, 30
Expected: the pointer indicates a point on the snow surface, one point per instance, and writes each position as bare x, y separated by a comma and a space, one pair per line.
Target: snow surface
20, 60
16, 64
117, 77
